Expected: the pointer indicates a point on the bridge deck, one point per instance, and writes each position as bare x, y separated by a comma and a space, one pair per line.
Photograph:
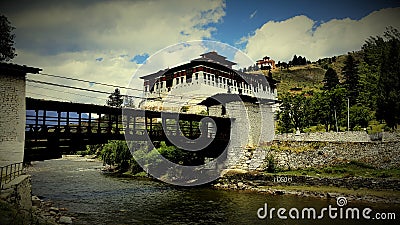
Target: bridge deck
54, 128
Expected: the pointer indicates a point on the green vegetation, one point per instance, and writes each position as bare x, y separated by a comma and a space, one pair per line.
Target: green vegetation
117, 155
7, 50
369, 80
115, 99
308, 78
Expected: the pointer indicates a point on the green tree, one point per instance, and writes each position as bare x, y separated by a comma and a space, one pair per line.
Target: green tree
379, 76
115, 99
294, 113
320, 109
331, 79
326, 104
117, 153
368, 86
388, 107
351, 77
7, 50
359, 116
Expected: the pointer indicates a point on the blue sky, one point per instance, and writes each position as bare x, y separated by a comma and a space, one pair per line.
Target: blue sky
107, 41
244, 17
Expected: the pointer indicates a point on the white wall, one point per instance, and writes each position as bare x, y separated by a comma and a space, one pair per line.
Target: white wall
12, 118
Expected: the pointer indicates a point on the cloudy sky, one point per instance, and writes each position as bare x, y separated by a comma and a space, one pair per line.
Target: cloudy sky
107, 41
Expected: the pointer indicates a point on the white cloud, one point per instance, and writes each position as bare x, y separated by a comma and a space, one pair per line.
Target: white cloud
253, 14
298, 35
67, 39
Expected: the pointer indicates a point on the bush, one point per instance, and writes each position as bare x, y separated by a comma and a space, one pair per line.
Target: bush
271, 167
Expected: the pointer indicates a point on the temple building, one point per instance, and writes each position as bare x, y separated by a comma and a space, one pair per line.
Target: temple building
186, 87
266, 63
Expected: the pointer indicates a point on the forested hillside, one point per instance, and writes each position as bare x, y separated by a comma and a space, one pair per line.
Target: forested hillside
315, 97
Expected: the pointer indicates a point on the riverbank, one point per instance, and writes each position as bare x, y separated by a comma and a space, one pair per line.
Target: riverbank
379, 190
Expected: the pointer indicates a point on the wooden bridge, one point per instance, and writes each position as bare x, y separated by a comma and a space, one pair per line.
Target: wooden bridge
54, 128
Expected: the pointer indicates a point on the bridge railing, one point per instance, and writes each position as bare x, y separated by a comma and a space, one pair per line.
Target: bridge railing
10, 172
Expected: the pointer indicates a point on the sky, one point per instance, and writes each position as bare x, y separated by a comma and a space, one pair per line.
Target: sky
109, 41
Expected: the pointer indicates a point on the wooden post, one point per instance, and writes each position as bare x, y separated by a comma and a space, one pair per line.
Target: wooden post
67, 126
44, 128
109, 124
58, 121
98, 124
90, 123
151, 126
191, 128
36, 120
79, 122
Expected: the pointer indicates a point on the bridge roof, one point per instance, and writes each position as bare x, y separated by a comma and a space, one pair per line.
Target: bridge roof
50, 105
17, 70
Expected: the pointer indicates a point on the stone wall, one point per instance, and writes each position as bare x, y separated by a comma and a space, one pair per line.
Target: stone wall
252, 123
297, 155
348, 136
18, 192
240, 181
12, 118
390, 136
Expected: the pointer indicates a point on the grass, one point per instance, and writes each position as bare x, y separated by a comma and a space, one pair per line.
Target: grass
306, 77
350, 169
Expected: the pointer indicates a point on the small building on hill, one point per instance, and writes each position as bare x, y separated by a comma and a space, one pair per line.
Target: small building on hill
266, 63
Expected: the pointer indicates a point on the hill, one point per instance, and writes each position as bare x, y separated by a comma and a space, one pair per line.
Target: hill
308, 77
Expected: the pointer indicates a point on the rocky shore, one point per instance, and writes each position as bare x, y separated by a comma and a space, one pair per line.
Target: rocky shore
48, 214
382, 190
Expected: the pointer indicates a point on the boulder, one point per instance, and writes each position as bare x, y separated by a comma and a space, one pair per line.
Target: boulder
36, 201
65, 220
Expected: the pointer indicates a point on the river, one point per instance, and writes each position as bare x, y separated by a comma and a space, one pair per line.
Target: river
94, 198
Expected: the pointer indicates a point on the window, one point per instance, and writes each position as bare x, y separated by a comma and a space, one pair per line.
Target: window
181, 79
177, 80
196, 76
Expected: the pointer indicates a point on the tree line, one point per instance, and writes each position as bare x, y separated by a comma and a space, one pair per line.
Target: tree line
369, 89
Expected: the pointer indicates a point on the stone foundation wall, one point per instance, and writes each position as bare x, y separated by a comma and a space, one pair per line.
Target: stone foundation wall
297, 155
18, 192
348, 136
252, 123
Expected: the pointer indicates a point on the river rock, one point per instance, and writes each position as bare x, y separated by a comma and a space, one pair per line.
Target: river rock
232, 172
36, 201
54, 209
65, 220
332, 195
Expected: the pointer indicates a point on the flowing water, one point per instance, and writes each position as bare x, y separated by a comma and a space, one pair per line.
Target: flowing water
94, 198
